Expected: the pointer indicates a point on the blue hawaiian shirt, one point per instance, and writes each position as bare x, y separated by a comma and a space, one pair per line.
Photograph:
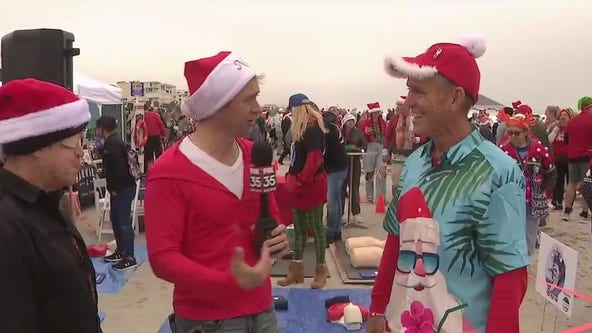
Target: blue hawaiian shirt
476, 194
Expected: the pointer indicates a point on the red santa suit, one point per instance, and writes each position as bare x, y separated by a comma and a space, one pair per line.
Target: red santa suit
372, 131
199, 210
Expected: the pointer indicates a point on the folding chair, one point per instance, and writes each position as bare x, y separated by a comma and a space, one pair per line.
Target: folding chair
138, 202
102, 205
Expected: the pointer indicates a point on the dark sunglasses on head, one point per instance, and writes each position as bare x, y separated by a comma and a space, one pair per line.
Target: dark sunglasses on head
514, 133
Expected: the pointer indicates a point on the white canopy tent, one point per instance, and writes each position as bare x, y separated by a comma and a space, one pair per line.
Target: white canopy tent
488, 105
95, 91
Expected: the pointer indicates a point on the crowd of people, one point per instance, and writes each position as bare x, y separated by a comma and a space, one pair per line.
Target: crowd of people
541, 147
461, 224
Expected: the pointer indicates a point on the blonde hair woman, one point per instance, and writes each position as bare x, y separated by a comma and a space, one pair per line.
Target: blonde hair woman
307, 182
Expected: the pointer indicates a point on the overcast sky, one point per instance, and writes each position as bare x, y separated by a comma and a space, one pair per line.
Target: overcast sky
539, 51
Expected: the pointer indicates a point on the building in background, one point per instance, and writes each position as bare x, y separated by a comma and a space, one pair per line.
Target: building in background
151, 91
180, 95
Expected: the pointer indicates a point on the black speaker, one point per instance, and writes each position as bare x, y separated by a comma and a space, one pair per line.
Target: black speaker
44, 54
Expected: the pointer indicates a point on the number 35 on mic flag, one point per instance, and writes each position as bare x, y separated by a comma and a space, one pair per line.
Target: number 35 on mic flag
262, 180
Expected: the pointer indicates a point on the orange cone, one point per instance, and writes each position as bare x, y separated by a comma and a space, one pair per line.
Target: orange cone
276, 165
380, 204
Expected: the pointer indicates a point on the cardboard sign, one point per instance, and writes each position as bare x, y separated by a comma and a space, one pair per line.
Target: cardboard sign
262, 180
558, 264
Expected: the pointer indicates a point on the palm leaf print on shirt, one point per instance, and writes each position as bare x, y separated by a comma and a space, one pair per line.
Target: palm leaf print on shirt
450, 186
475, 246
447, 185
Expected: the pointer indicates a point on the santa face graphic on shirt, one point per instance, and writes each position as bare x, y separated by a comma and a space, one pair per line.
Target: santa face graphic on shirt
420, 300
418, 257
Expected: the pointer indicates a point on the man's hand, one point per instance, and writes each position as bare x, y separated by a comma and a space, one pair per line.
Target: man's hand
368, 130
376, 325
278, 245
249, 277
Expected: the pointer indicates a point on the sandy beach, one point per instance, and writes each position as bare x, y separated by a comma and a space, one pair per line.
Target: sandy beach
145, 301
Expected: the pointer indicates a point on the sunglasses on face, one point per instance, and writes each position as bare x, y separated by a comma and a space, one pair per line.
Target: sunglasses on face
408, 259
514, 133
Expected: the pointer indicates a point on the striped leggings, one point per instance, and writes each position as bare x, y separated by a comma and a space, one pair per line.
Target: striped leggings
313, 219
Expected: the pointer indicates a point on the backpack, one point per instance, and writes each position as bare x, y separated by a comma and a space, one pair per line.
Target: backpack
133, 163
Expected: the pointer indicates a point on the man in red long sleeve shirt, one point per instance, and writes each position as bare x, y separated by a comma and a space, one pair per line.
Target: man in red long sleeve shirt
156, 132
200, 211
455, 257
374, 128
398, 142
579, 150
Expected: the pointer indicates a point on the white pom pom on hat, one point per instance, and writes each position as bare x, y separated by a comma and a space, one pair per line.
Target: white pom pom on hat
447, 59
475, 43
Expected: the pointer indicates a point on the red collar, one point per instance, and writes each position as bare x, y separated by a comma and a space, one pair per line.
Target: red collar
435, 160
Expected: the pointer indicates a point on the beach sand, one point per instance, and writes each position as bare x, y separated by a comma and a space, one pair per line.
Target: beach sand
145, 301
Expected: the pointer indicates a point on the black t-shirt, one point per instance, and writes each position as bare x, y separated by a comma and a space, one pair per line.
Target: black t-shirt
313, 139
115, 164
335, 158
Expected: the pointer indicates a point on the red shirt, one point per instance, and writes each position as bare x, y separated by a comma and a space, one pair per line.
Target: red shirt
390, 135
193, 224
154, 124
367, 128
559, 145
579, 135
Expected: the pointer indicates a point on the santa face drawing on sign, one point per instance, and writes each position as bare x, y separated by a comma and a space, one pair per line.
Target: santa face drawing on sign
420, 299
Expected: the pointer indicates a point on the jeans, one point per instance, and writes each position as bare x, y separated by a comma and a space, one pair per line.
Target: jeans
264, 322
335, 182
121, 220
562, 175
532, 233
375, 169
354, 191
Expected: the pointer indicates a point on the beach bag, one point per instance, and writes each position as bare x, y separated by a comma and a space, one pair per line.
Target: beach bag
587, 189
549, 179
133, 163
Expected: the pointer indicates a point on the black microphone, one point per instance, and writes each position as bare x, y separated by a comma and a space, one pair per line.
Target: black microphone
262, 180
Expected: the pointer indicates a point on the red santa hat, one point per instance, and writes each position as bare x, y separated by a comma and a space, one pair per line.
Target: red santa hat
374, 107
565, 112
412, 205
522, 117
454, 61
520, 108
213, 82
348, 117
35, 114
349, 315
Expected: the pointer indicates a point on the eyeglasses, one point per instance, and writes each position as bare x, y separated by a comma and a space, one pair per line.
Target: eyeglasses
407, 260
74, 142
514, 133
